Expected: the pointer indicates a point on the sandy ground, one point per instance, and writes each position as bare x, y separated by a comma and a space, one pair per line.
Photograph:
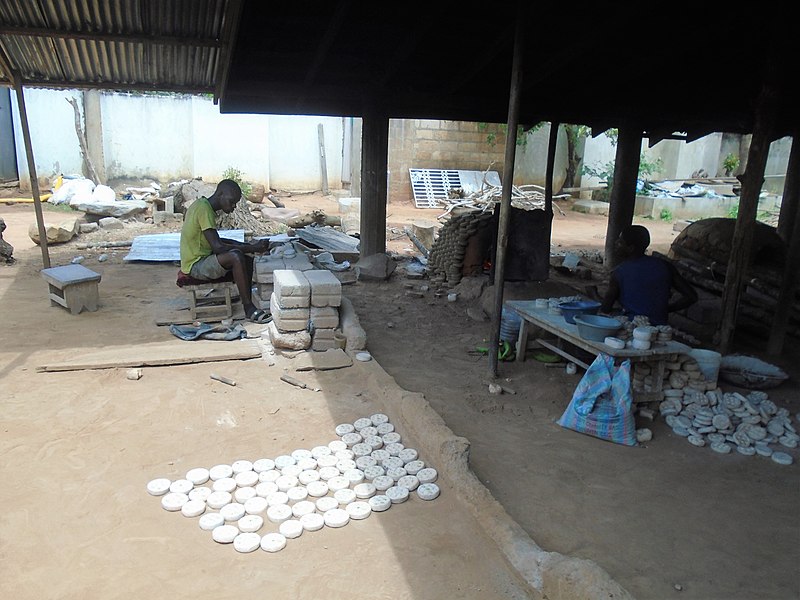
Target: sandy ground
78, 448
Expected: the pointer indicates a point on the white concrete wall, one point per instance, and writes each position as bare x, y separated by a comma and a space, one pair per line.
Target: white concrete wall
530, 165
294, 161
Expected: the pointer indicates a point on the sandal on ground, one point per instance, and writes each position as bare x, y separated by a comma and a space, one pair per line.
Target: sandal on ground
260, 316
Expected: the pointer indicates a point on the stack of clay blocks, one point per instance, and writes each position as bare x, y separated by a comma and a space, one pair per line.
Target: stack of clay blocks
306, 301
265, 266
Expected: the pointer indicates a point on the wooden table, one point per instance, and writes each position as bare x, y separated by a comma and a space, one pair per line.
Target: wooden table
564, 332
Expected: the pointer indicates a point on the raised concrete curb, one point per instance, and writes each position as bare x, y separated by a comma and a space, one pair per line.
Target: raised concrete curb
592, 207
549, 575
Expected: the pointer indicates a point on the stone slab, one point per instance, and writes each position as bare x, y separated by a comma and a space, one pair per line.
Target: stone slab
295, 340
291, 288
326, 289
288, 319
591, 207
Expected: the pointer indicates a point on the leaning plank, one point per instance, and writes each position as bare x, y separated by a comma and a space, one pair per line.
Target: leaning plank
175, 352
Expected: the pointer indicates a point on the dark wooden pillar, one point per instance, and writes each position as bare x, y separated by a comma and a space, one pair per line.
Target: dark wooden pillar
374, 160
790, 203
777, 334
623, 190
752, 181
508, 182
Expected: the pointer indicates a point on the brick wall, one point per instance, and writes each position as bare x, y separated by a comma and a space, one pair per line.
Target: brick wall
432, 144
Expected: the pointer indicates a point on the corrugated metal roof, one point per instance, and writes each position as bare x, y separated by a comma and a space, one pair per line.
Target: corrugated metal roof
179, 45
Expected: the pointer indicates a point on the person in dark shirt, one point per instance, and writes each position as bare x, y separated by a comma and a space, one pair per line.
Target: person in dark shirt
643, 284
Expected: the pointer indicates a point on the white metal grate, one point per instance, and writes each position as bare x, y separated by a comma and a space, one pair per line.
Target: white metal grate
429, 185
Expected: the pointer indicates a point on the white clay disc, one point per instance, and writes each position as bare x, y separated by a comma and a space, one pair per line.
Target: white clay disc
308, 476
335, 446
379, 503
250, 523
364, 448
363, 356
246, 542
379, 419
383, 483
279, 513
198, 476
354, 476
226, 484
266, 488
397, 494
304, 507
291, 529
277, 499
270, 475
232, 512
351, 439
317, 489
200, 493
344, 455
211, 521
218, 499
427, 475
364, 490
158, 487
326, 503
246, 478
243, 494
374, 442
240, 466
428, 491
336, 517
284, 482
362, 423
384, 428
414, 467
312, 521
362, 462
256, 506
263, 464
345, 496
380, 455
394, 448
396, 473
284, 460
224, 534
318, 451
293, 470
782, 458
174, 501
391, 438
328, 460
338, 483
344, 429
373, 472
181, 486
393, 462
193, 508
220, 472
358, 510
408, 455
301, 453
297, 493
305, 464
345, 464
273, 542
410, 482
326, 473
368, 432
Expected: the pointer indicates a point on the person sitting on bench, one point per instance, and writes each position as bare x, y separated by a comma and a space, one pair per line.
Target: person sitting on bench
207, 257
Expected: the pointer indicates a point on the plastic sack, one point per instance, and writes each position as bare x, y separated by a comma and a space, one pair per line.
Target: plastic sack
601, 404
72, 189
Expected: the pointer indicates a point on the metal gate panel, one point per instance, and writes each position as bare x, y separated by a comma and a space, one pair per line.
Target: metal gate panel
428, 185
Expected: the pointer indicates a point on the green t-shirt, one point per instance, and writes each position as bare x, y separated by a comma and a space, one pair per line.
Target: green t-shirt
194, 246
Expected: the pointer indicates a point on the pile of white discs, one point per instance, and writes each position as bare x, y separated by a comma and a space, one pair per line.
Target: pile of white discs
264, 503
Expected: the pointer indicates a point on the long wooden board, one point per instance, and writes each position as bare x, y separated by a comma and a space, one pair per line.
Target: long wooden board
175, 352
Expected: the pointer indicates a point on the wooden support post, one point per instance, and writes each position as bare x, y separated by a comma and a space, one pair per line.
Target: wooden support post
790, 203
505, 199
780, 321
623, 189
323, 163
37, 200
551, 161
752, 180
375, 155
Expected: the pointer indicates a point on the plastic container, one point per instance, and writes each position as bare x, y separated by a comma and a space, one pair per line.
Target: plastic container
595, 327
509, 325
578, 307
708, 361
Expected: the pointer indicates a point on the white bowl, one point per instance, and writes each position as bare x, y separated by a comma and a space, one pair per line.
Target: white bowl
641, 344
643, 333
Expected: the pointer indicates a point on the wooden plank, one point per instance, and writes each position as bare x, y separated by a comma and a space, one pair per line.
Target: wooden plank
177, 352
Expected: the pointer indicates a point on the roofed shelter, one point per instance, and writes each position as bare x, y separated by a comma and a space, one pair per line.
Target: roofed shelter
601, 65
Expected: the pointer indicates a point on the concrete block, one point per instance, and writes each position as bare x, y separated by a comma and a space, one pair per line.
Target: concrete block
326, 289
288, 319
264, 289
265, 266
326, 317
321, 345
323, 333
296, 340
292, 289
592, 207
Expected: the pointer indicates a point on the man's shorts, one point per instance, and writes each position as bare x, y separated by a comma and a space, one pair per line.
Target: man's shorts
208, 268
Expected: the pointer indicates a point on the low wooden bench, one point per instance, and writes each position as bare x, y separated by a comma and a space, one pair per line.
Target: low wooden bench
216, 296
74, 287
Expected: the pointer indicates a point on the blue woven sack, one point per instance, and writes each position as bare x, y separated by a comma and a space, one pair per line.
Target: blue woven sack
601, 404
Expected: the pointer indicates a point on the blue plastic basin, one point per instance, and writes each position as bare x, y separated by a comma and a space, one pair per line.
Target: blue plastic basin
578, 307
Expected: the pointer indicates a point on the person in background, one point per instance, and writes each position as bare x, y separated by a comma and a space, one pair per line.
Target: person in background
206, 256
644, 284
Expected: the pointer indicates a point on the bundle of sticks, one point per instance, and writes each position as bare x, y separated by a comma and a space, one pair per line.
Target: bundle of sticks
525, 197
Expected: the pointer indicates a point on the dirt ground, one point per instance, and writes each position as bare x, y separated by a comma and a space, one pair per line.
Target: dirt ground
665, 519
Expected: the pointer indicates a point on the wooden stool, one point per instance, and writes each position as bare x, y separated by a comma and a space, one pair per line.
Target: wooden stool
74, 287
220, 306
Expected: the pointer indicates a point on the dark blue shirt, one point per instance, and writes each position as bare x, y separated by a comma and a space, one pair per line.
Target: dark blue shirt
645, 284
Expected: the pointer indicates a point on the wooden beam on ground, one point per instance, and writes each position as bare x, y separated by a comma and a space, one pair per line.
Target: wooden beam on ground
623, 191
752, 181
508, 182
791, 192
374, 161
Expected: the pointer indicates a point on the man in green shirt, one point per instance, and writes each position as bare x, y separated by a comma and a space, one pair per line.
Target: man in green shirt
206, 256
